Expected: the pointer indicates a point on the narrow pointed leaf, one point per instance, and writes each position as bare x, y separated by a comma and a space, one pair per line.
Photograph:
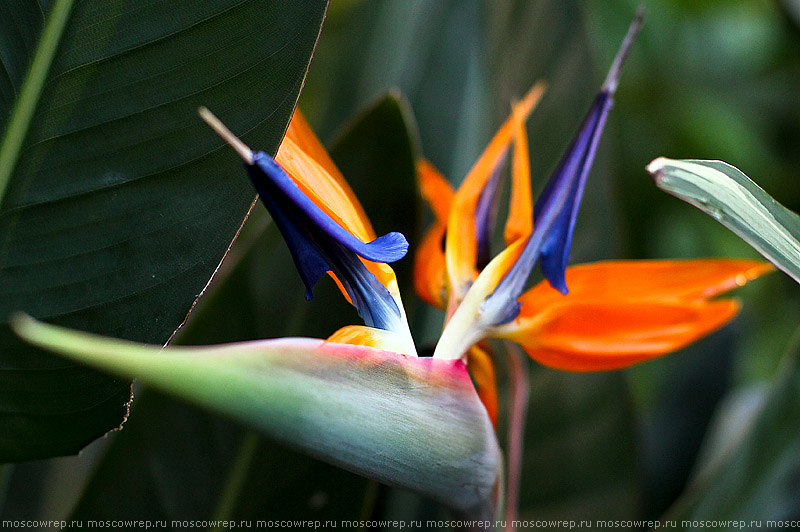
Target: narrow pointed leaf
412, 422
116, 212
725, 193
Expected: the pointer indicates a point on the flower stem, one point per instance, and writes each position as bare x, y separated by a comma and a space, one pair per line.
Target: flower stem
520, 391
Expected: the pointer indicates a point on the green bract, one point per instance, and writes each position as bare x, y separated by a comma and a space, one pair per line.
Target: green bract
406, 421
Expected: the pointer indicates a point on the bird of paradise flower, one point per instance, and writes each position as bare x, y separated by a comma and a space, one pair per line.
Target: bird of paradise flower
362, 398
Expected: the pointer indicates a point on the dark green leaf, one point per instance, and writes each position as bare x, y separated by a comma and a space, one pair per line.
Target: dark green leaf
121, 203
169, 445
677, 397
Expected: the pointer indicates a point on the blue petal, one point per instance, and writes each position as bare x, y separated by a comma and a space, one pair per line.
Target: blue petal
486, 214
319, 244
388, 248
556, 209
570, 176
554, 218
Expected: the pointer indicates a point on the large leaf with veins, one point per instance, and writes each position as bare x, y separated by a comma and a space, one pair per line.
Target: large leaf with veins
119, 203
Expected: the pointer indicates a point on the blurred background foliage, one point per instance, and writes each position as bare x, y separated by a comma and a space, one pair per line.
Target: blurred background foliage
715, 79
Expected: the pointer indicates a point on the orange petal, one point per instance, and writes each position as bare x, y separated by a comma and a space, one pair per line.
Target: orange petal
328, 191
520, 213
461, 252
435, 189
482, 371
646, 279
368, 336
598, 336
618, 313
430, 277
303, 136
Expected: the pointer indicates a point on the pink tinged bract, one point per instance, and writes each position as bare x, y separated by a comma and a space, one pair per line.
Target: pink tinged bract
416, 423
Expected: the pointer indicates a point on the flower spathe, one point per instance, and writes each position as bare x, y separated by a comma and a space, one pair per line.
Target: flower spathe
406, 421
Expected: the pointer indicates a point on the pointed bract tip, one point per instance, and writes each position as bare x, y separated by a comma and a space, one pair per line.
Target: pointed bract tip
20, 322
612, 79
529, 101
227, 135
656, 168
656, 164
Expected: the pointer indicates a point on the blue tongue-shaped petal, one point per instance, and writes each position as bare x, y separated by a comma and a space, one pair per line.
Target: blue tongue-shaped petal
570, 175
556, 209
319, 244
268, 175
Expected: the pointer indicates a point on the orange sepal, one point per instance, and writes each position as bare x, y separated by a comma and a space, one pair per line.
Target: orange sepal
435, 189
618, 313
481, 369
303, 136
328, 191
357, 335
430, 275
461, 249
304, 158
597, 337
370, 337
520, 211
647, 279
